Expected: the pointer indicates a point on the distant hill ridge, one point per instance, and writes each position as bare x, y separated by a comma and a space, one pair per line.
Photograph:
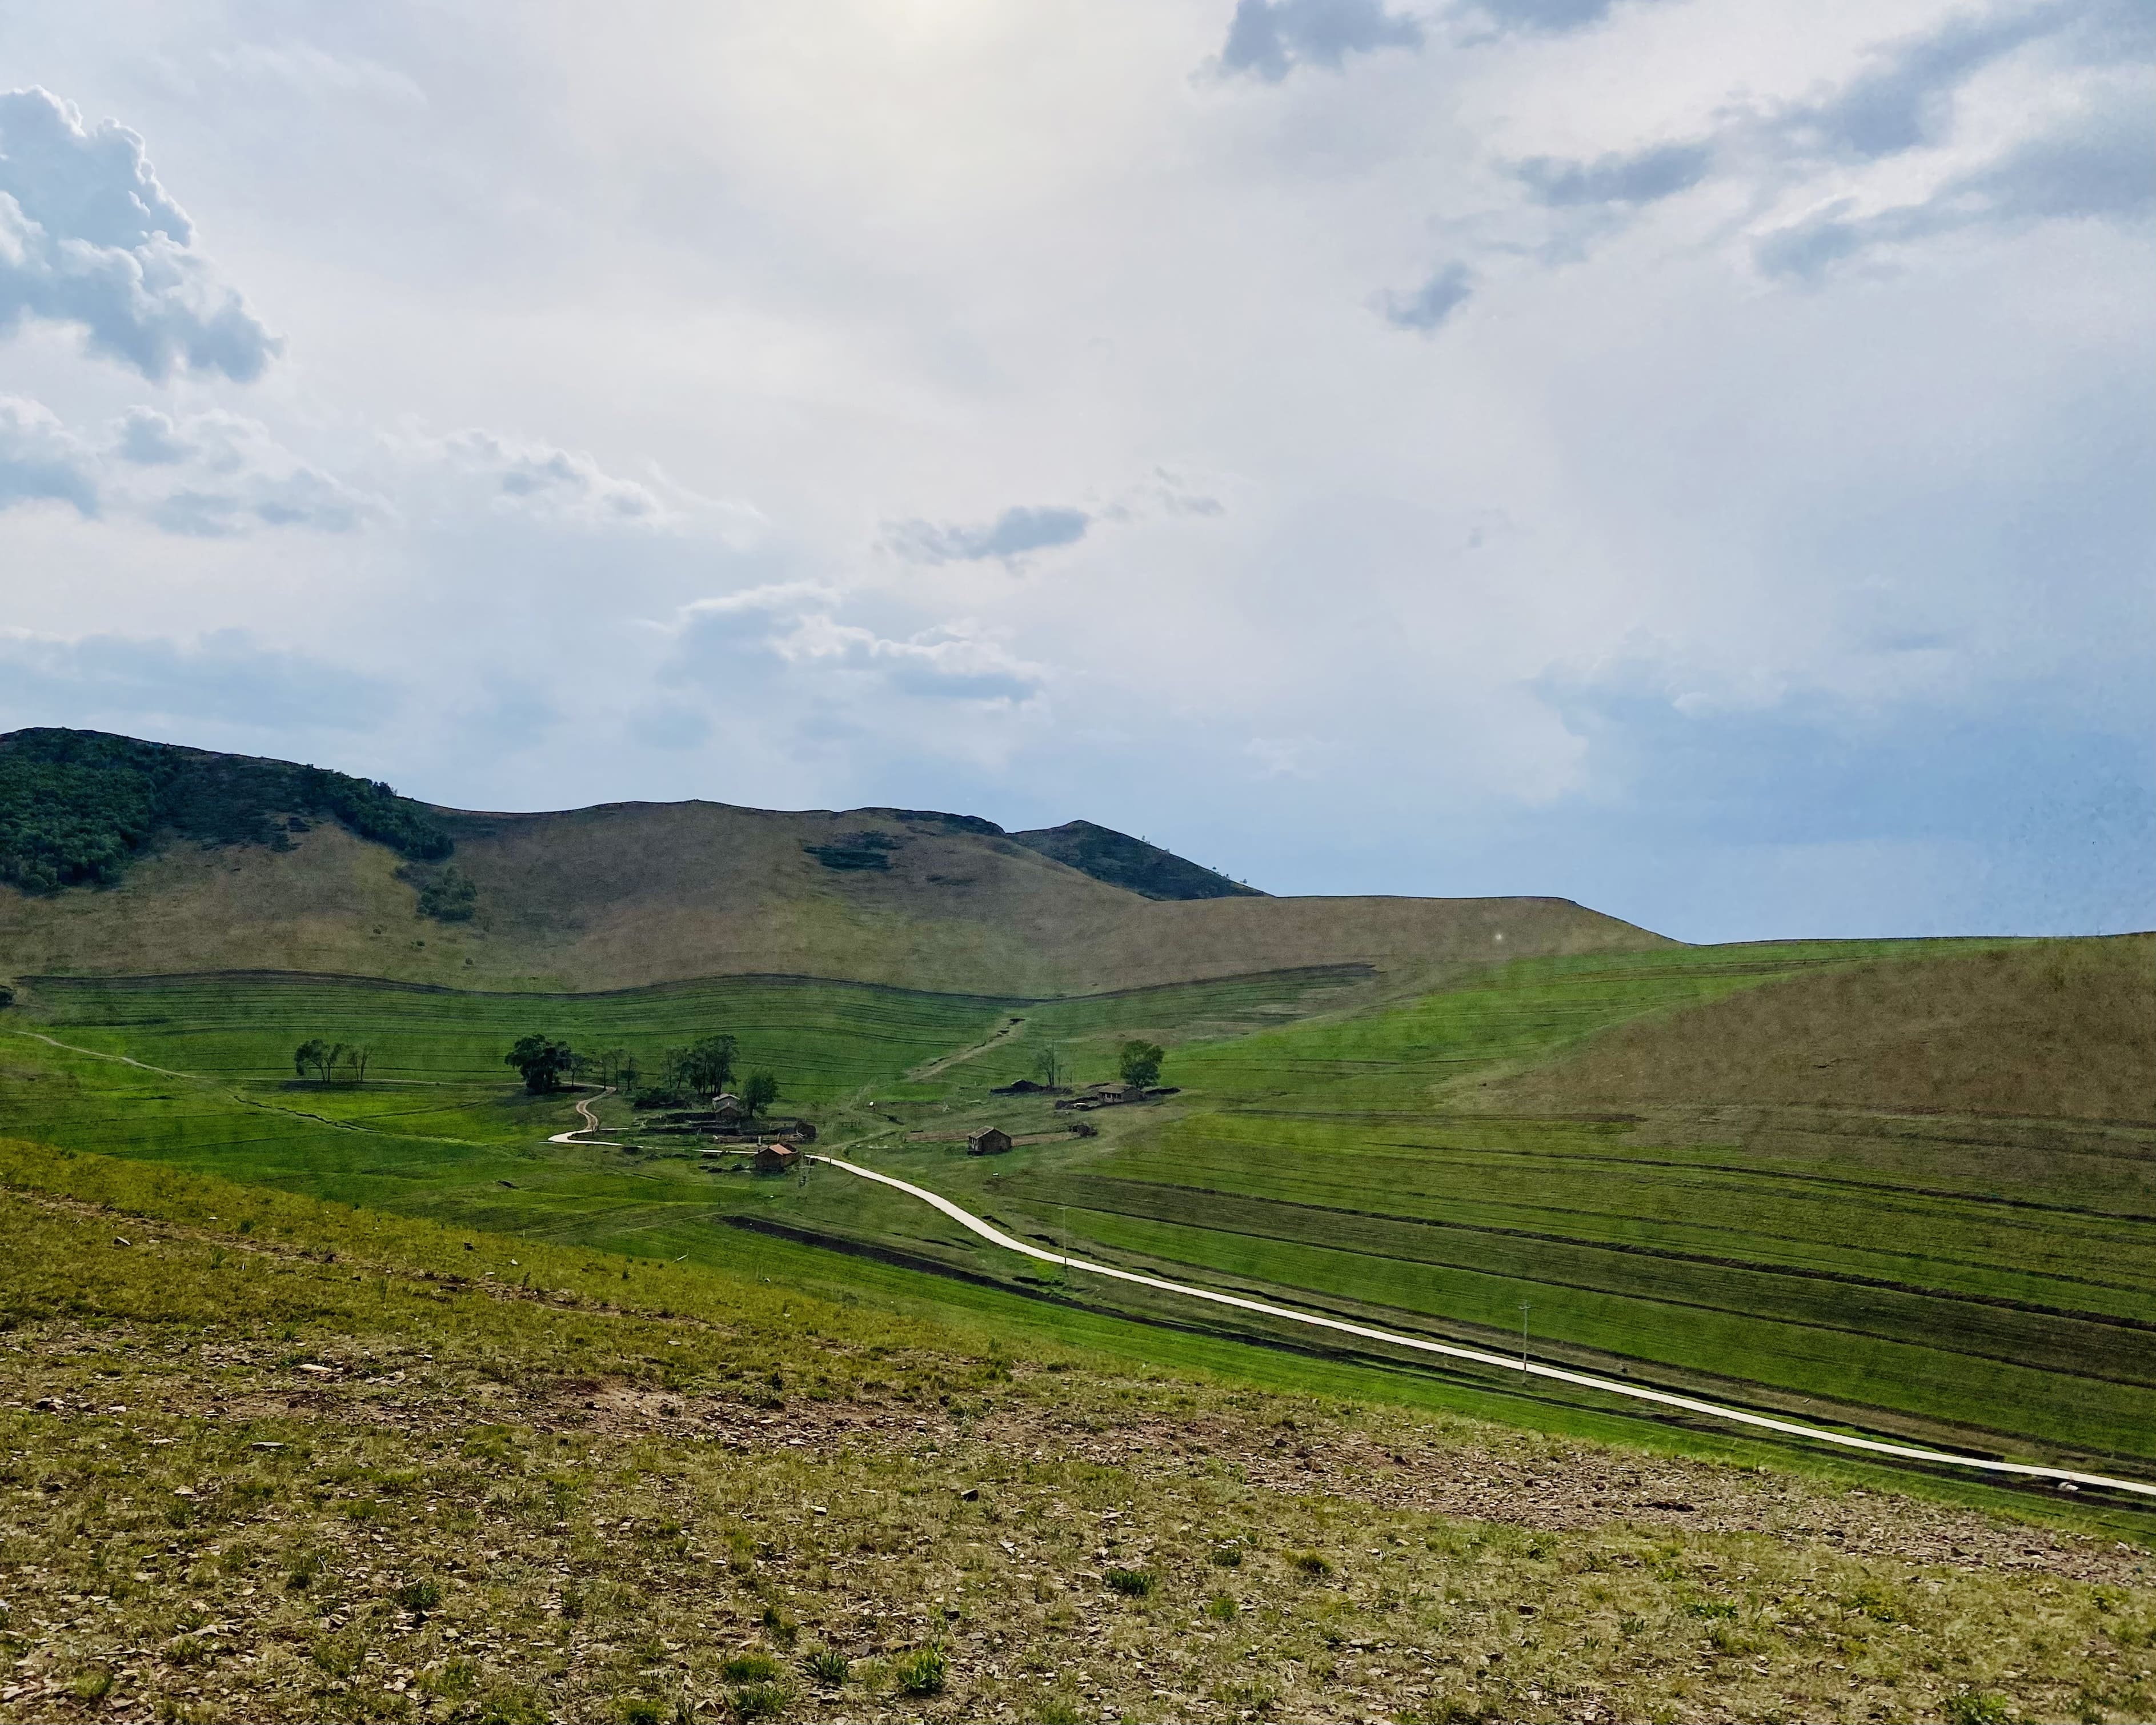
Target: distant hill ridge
78, 807
122, 857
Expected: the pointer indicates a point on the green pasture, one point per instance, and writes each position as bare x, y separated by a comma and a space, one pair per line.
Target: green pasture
1943, 1275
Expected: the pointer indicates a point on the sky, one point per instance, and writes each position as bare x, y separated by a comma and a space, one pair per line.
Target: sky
1693, 457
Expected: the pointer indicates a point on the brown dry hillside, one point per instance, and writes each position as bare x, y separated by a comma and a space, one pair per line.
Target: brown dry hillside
628, 894
2052, 1029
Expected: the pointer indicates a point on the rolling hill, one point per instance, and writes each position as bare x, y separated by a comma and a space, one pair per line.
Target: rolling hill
130, 858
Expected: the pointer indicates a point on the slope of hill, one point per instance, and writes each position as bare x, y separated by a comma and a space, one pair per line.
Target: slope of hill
626, 895
2063, 1029
439, 1475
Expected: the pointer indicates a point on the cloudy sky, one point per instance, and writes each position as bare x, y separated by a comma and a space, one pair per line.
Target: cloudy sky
1695, 457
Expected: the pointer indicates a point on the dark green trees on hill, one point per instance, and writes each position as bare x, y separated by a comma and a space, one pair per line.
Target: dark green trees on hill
77, 807
1129, 863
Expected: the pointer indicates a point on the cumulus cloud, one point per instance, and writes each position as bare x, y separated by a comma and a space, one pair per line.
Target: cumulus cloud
226, 675
1644, 177
538, 479
1010, 536
216, 475
1427, 307
795, 626
42, 460
89, 237
1269, 38
210, 475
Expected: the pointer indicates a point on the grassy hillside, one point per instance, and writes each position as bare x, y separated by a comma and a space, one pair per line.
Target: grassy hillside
268, 1459
1977, 1281
631, 894
2051, 1028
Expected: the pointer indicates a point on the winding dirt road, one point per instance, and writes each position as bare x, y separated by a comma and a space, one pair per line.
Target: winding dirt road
576, 1135
1607, 1386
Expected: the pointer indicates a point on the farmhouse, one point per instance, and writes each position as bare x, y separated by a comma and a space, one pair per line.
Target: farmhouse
992, 1141
727, 1105
777, 1158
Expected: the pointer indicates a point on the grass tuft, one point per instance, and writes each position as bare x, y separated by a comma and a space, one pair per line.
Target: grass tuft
923, 1672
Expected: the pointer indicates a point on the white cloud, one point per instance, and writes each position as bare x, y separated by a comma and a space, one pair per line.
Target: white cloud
535, 481
89, 237
796, 625
41, 460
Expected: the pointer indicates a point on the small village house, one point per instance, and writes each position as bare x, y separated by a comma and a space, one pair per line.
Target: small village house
777, 1158
992, 1141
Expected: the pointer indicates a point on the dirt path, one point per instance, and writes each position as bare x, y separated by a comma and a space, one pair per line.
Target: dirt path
121, 1059
945, 1062
1581, 1380
575, 1136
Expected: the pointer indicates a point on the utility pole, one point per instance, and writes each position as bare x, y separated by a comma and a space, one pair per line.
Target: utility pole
1066, 1248
1523, 1339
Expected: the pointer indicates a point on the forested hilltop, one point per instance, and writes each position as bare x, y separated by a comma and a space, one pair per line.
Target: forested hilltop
77, 808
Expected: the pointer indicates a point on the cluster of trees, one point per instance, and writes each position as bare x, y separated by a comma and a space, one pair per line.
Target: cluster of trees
449, 896
324, 1060
693, 1072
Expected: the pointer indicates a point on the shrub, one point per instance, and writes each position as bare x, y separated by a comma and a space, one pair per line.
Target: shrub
749, 1668
759, 1701
1311, 1564
1228, 1557
923, 1672
1135, 1584
423, 1594
93, 1685
1222, 1608
340, 1656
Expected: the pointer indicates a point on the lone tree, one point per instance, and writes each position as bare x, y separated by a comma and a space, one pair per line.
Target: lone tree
541, 1060
758, 1093
1048, 1066
1139, 1062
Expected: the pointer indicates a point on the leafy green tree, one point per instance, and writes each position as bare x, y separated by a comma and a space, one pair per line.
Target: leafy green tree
1139, 1062
1048, 1066
709, 1066
356, 1058
541, 1060
322, 1059
758, 1093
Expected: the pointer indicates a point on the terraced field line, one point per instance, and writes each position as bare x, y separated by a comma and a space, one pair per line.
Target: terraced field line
576, 1135
1581, 1380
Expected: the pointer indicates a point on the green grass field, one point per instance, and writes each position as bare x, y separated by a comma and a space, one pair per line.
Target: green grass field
264, 1458
1980, 1279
